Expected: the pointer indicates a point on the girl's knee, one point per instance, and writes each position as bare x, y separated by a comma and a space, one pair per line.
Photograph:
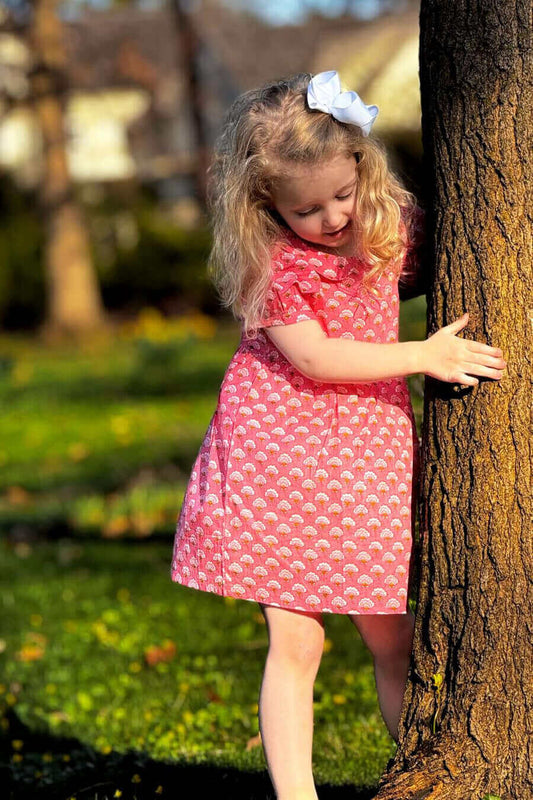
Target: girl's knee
295, 639
387, 637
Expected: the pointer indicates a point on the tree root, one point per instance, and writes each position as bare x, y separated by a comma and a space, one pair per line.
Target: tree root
435, 773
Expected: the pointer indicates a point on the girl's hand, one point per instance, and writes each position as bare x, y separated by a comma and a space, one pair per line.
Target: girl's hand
447, 357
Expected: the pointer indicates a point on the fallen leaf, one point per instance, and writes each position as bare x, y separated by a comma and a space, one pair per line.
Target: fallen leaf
30, 653
154, 654
255, 741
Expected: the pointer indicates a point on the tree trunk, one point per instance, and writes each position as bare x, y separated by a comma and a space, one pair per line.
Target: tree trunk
189, 58
467, 724
74, 303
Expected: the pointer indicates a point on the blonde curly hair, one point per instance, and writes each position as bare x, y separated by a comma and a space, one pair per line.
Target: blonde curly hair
266, 131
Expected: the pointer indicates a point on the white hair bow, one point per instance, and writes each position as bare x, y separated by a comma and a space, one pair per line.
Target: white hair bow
324, 93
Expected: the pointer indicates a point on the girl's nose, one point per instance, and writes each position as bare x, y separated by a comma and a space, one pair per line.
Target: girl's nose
332, 219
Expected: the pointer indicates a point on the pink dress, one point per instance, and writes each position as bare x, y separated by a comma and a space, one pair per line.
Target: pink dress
301, 494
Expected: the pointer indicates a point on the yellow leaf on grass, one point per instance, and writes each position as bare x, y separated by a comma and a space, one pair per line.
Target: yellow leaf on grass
77, 451
116, 526
30, 652
339, 699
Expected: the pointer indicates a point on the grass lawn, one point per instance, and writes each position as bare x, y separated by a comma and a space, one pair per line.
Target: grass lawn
102, 647
114, 682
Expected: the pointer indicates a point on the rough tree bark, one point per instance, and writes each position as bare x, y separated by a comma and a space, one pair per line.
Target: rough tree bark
74, 303
467, 724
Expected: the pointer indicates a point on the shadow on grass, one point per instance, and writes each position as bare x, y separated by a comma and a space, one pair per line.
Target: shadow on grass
60, 768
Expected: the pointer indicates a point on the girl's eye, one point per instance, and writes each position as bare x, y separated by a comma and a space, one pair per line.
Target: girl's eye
305, 213
345, 196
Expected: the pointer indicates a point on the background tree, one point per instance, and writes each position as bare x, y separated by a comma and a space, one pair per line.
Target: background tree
468, 715
74, 303
189, 46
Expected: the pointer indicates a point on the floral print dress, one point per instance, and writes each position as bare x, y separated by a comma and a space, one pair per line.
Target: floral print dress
301, 495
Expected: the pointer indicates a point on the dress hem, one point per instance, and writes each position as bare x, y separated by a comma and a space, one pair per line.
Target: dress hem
316, 610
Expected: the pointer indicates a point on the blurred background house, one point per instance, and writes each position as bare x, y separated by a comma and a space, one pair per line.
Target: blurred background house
143, 92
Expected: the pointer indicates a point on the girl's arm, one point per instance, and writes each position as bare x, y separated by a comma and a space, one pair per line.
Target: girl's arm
443, 355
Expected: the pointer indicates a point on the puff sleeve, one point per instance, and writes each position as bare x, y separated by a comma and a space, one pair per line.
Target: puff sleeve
414, 276
294, 289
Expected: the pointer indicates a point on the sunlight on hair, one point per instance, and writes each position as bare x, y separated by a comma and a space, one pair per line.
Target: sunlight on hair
266, 132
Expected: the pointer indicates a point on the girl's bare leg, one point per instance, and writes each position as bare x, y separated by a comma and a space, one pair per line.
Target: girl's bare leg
296, 641
389, 638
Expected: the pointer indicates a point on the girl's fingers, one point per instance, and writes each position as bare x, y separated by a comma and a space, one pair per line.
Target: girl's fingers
466, 380
479, 347
485, 372
487, 360
472, 358
457, 325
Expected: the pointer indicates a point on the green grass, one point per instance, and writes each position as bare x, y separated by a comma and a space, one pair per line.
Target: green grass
81, 621
113, 430
112, 678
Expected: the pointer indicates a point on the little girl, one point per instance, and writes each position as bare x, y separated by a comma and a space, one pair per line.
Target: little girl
301, 495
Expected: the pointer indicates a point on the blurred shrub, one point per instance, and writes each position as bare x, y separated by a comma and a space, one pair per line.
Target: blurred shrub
140, 511
22, 280
152, 325
141, 256
144, 259
160, 345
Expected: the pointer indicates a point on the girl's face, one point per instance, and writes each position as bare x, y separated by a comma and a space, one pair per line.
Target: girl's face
317, 202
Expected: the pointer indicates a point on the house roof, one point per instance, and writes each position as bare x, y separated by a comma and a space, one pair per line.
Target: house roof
128, 48
255, 52
120, 47
380, 62
134, 47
